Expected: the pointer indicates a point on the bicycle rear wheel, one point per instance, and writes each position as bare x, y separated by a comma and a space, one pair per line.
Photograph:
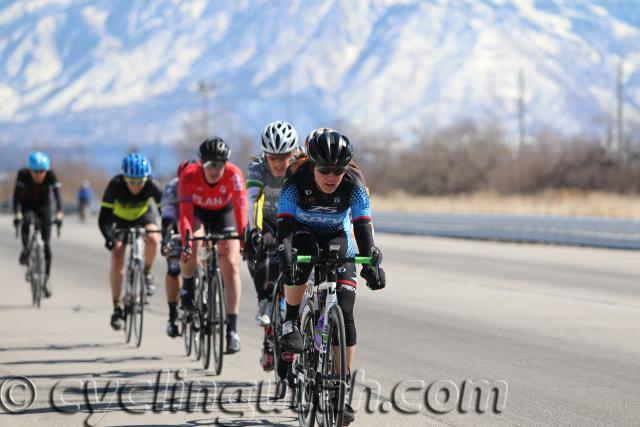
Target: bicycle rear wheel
218, 320
306, 364
333, 388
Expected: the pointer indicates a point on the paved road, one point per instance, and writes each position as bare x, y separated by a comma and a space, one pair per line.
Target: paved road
559, 325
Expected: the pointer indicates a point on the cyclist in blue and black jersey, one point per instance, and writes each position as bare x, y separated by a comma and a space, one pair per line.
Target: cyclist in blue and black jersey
32, 193
127, 202
317, 206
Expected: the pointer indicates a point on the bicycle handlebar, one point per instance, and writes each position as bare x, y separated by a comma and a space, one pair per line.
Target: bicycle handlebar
57, 222
310, 259
209, 237
134, 230
214, 237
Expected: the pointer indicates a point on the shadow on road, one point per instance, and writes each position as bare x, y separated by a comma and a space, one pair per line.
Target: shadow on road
16, 307
94, 360
224, 406
50, 347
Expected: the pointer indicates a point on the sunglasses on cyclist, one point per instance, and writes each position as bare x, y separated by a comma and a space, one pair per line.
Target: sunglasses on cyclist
213, 164
336, 170
135, 181
275, 157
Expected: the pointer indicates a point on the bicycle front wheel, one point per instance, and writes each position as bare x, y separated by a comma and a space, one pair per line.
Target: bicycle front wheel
306, 367
38, 272
334, 371
218, 320
187, 334
140, 295
207, 322
276, 330
129, 303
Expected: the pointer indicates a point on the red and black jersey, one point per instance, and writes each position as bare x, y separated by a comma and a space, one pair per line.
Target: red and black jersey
228, 193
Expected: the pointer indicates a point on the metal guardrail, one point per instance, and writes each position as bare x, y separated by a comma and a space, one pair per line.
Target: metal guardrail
582, 231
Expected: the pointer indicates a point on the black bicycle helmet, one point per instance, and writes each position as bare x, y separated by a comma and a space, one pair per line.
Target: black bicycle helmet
329, 148
214, 149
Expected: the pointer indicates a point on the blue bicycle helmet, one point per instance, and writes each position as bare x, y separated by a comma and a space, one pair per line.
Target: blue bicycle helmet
39, 161
136, 165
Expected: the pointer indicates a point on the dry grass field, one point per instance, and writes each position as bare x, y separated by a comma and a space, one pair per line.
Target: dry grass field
557, 202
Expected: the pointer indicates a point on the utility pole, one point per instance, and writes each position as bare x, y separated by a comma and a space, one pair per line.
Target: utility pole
205, 88
521, 111
622, 149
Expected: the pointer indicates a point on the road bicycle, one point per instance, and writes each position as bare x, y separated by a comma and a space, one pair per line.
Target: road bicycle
36, 273
135, 295
209, 316
319, 371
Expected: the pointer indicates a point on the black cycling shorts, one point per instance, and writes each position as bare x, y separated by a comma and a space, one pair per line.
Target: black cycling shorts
149, 217
309, 243
217, 222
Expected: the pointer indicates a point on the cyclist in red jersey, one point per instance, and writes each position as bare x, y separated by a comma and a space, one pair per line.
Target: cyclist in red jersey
211, 192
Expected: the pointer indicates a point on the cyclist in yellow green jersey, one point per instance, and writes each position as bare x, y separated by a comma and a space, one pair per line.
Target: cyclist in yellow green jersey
127, 202
265, 179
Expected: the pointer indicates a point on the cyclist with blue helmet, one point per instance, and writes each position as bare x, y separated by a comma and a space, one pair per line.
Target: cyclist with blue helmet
85, 197
128, 202
32, 194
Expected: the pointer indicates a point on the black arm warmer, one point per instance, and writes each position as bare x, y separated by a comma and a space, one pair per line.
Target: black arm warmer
285, 239
56, 196
17, 196
364, 236
104, 220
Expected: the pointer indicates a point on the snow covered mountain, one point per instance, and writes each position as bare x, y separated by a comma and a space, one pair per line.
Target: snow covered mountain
127, 70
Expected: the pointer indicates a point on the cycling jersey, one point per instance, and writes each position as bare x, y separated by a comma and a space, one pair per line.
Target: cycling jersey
301, 201
85, 194
264, 190
228, 193
169, 204
36, 198
118, 203
27, 195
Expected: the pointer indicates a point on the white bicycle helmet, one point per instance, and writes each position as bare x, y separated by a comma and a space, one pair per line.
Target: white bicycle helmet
279, 138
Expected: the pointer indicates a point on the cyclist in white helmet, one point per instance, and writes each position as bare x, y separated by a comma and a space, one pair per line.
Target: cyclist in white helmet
265, 179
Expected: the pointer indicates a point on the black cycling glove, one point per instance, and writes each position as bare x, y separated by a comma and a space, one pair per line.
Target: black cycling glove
374, 276
109, 244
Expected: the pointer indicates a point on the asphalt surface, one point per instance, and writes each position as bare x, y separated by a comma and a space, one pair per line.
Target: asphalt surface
555, 329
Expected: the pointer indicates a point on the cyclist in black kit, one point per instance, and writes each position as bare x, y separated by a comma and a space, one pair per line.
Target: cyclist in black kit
32, 194
127, 202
